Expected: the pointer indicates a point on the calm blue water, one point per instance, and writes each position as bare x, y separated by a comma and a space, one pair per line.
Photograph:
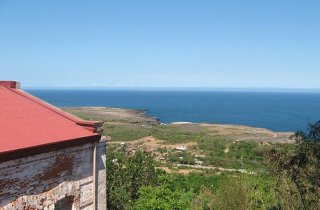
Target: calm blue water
276, 111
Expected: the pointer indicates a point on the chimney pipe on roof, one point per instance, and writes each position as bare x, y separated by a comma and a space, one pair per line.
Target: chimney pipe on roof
10, 84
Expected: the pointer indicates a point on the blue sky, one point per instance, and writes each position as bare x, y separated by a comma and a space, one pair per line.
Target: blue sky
161, 43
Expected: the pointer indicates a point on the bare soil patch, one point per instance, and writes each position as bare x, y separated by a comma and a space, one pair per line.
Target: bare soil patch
150, 144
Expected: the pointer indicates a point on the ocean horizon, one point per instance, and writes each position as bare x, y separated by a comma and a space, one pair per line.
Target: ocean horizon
277, 111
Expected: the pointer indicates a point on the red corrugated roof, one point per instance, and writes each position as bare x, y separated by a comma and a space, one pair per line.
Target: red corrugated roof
27, 122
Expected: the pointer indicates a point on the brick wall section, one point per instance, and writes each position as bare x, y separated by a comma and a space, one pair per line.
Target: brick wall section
39, 181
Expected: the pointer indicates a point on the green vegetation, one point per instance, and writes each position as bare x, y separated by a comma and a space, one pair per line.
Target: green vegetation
135, 183
297, 171
290, 180
239, 154
181, 157
284, 176
126, 174
174, 134
161, 197
218, 146
168, 133
247, 155
127, 132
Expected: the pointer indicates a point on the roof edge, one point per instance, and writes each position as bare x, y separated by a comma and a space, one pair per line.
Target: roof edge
35, 150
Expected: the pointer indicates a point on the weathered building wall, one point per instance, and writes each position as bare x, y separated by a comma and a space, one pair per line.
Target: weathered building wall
41, 181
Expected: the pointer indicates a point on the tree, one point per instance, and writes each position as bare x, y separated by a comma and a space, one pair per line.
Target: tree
126, 174
298, 171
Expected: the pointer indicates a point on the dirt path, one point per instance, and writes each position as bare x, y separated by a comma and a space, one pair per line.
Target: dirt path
180, 171
214, 167
149, 143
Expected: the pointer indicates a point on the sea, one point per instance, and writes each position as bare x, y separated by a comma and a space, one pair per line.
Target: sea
278, 111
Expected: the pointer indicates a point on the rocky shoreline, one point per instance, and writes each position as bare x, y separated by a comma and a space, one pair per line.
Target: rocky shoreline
111, 114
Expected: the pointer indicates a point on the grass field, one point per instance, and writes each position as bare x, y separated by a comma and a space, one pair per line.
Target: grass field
227, 146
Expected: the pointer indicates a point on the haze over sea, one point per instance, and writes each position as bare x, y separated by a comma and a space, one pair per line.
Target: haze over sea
279, 111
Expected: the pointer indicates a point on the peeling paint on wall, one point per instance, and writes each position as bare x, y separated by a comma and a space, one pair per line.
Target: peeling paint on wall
39, 181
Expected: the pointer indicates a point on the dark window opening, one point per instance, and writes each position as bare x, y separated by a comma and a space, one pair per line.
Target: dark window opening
64, 204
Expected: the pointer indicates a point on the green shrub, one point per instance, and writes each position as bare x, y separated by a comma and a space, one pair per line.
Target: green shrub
162, 198
126, 174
